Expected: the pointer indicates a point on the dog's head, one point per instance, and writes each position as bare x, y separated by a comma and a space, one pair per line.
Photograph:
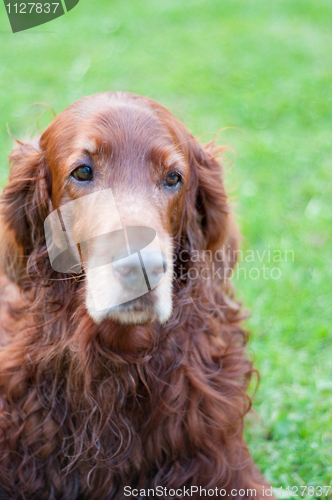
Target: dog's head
120, 186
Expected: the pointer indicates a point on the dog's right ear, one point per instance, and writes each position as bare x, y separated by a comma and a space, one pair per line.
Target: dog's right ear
24, 205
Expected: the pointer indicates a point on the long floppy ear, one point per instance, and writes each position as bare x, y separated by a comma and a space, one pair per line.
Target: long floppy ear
218, 229
24, 205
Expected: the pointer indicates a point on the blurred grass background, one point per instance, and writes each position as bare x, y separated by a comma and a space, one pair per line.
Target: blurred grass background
262, 72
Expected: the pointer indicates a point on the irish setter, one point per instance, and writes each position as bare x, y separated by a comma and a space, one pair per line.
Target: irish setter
123, 366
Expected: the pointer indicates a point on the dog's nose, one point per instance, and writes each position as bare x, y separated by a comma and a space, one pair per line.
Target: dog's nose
140, 268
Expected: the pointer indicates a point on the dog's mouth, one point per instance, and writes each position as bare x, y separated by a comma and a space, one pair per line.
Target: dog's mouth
136, 311
141, 304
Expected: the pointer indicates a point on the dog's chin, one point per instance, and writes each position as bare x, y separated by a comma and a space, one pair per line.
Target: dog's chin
139, 311
155, 305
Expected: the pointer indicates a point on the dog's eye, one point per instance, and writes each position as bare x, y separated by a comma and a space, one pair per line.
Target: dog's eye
173, 179
82, 173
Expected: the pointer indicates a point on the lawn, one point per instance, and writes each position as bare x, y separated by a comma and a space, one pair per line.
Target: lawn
260, 73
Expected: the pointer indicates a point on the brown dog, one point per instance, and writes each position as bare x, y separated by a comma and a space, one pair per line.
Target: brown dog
123, 368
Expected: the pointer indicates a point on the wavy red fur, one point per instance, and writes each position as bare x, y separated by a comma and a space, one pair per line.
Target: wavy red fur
87, 408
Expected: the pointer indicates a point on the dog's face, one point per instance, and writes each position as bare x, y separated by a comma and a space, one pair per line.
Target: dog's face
129, 175
125, 180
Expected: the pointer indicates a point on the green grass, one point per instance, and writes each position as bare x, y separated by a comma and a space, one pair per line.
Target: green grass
263, 71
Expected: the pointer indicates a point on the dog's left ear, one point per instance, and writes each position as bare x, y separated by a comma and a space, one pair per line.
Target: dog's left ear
213, 212
24, 205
